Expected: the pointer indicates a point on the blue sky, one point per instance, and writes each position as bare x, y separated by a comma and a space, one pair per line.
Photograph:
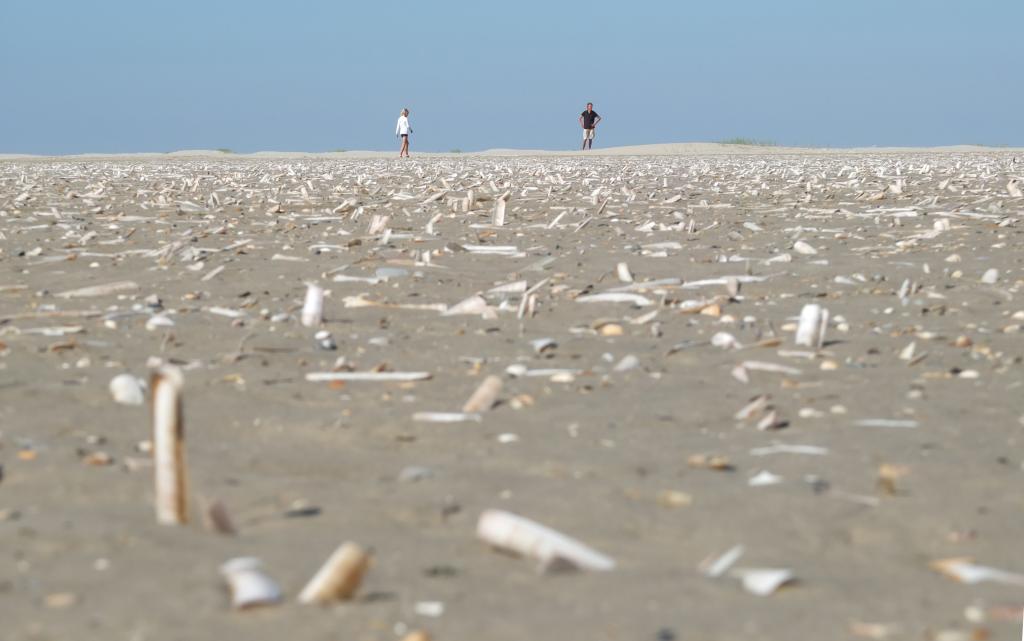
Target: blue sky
120, 76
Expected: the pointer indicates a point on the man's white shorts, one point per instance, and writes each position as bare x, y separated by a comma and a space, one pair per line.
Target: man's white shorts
588, 134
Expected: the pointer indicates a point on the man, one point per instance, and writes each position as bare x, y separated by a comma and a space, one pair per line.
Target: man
589, 120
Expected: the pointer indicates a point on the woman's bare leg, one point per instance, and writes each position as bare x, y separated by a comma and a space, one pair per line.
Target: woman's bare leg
405, 147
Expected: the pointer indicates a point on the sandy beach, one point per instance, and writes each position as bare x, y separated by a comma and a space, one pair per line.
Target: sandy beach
640, 306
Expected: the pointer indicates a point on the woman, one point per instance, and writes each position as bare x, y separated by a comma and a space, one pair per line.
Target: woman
402, 130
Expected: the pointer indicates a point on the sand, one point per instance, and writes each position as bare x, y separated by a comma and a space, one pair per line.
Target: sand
903, 240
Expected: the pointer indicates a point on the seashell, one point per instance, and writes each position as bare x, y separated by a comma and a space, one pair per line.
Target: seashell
804, 248
622, 271
472, 305
127, 390
717, 567
763, 478
1013, 188
963, 570
313, 307
615, 297
627, 363
499, 210
611, 329
781, 448
886, 422
371, 377
757, 405
550, 548
417, 635
541, 345
774, 368
907, 353
119, 287
485, 396
157, 321
432, 609
764, 581
339, 577
991, 276
725, 340
811, 330
445, 417
517, 287
171, 475
249, 586
732, 285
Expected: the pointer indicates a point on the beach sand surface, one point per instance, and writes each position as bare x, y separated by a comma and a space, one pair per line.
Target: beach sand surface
908, 418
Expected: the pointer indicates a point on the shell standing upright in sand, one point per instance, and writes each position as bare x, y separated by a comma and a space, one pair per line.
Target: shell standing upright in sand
810, 332
499, 210
339, 577
171, 475
313, 307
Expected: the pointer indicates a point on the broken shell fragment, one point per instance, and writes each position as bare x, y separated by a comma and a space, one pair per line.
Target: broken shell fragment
339, 577
249, 586
171, 475
551, 549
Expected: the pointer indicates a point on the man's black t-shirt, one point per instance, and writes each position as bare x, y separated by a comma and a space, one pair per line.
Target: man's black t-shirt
588, 119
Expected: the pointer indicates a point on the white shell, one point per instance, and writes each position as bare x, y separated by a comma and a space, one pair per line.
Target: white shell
313, 307
764, 581
725, 340
1013, 188
499, 219
966, 572
249, 586
100, 290
127, 390
718, 566
157, 321
813, 322
990, 276
615, 297
445, 417
471, 305
533, 540
371, 377
804, 248
171, 477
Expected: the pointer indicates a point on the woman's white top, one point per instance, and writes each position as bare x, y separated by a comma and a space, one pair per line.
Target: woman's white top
402, 128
